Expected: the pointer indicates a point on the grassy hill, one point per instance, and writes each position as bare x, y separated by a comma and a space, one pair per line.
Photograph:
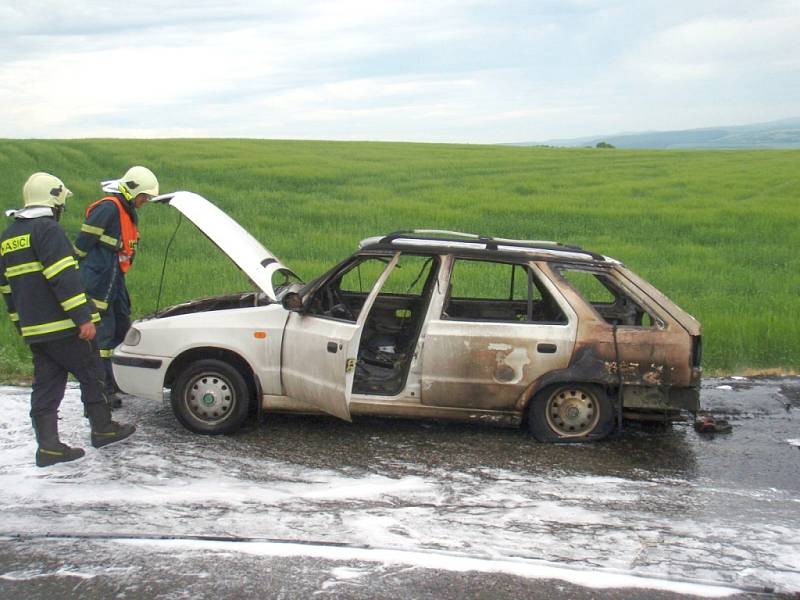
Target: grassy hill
718, 231
775, 134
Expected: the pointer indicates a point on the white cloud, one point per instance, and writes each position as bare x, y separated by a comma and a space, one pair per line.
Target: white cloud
443, 70
719, 47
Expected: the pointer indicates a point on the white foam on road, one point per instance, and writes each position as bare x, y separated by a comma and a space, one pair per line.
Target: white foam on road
446, 562
650, 529
29, 574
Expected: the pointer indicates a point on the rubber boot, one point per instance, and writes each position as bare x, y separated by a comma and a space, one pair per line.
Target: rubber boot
51, 450
104, 430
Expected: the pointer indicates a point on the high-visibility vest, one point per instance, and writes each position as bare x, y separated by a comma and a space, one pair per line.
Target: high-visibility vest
129, 233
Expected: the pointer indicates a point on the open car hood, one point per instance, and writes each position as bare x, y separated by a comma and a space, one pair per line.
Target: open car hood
258, 263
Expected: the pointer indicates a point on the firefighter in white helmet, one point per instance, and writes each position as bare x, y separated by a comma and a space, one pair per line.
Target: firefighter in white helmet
106, 247
47, 302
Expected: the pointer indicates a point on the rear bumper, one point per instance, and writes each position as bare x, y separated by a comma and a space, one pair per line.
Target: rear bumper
139, 374
635, 397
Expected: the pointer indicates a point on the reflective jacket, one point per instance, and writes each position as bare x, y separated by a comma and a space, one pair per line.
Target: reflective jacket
39, 278
106, 246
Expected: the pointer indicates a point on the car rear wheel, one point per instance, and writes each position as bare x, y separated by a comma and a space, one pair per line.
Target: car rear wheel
211, 397
571, 413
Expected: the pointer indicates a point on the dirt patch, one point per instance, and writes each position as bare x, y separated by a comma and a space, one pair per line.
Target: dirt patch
772, 372
751, 372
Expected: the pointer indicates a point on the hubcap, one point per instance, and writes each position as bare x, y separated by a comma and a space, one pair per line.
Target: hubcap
209, 397
572, 412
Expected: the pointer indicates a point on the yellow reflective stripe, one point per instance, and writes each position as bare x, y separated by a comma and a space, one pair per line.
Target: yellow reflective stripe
98, 231
58, 266
79, 252
106, 353
92, 229
5, 289
100, 304
30, 267
71, 303
14, 316
95, 317
47, 327
51, 452
106, 239
105, 433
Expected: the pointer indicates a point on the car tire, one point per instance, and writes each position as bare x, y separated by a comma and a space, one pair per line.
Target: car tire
210, 397
569, 413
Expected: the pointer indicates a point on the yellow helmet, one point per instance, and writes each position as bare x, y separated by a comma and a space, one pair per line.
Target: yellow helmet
43, 189
138, 180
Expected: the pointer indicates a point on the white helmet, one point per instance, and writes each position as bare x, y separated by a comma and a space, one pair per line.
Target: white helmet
138, 180
43, 189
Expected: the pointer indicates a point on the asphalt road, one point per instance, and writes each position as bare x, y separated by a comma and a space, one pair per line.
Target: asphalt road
309, 506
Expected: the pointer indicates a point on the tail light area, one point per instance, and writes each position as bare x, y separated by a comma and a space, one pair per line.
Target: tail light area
697, 351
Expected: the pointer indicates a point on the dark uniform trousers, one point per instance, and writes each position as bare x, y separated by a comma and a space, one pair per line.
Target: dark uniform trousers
53, 361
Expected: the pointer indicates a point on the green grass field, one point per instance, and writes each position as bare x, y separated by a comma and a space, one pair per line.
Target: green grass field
717, 231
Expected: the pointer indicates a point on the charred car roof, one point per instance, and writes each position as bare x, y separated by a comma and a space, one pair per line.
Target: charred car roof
469, 244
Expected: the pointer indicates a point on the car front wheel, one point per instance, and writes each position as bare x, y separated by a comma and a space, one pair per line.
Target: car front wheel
211, 397
571, 413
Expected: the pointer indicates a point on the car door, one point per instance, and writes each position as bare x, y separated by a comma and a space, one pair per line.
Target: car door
320, 346
501, 327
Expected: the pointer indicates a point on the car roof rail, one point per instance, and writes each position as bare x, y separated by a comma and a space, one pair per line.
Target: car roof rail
475, 236
491, 243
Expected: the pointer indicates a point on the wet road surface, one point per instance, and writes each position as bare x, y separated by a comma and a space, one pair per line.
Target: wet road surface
388, 508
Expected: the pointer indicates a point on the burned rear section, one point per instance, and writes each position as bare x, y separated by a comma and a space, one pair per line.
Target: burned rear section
631, 340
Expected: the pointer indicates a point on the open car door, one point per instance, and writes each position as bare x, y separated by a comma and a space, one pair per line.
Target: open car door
320, 352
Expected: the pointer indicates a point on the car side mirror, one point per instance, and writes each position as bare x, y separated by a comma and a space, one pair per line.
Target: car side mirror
292, 301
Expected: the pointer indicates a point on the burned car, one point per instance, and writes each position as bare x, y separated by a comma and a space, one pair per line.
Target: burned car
421, 324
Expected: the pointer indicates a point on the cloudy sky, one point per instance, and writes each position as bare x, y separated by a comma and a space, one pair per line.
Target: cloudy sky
435, 70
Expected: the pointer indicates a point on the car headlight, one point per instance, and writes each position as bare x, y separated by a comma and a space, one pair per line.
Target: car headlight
132, 337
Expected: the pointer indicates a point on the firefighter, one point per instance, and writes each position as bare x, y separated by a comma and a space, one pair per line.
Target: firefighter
47, 302
106, 246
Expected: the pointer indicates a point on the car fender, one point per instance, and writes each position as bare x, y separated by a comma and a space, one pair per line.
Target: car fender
586, 367
228, 355
253, 334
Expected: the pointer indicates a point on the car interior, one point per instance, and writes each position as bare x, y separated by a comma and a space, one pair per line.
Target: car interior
608, 298
482, 290
392, 328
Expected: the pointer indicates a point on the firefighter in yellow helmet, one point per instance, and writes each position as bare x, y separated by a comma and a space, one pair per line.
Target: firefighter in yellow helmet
47, 302
106, 247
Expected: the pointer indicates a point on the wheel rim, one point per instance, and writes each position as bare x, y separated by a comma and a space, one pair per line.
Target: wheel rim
209, 397
572, 412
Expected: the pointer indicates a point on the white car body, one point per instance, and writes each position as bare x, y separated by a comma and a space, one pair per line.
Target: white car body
455, 367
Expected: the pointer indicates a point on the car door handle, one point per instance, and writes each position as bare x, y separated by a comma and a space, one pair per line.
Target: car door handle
546, 348
333, 347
